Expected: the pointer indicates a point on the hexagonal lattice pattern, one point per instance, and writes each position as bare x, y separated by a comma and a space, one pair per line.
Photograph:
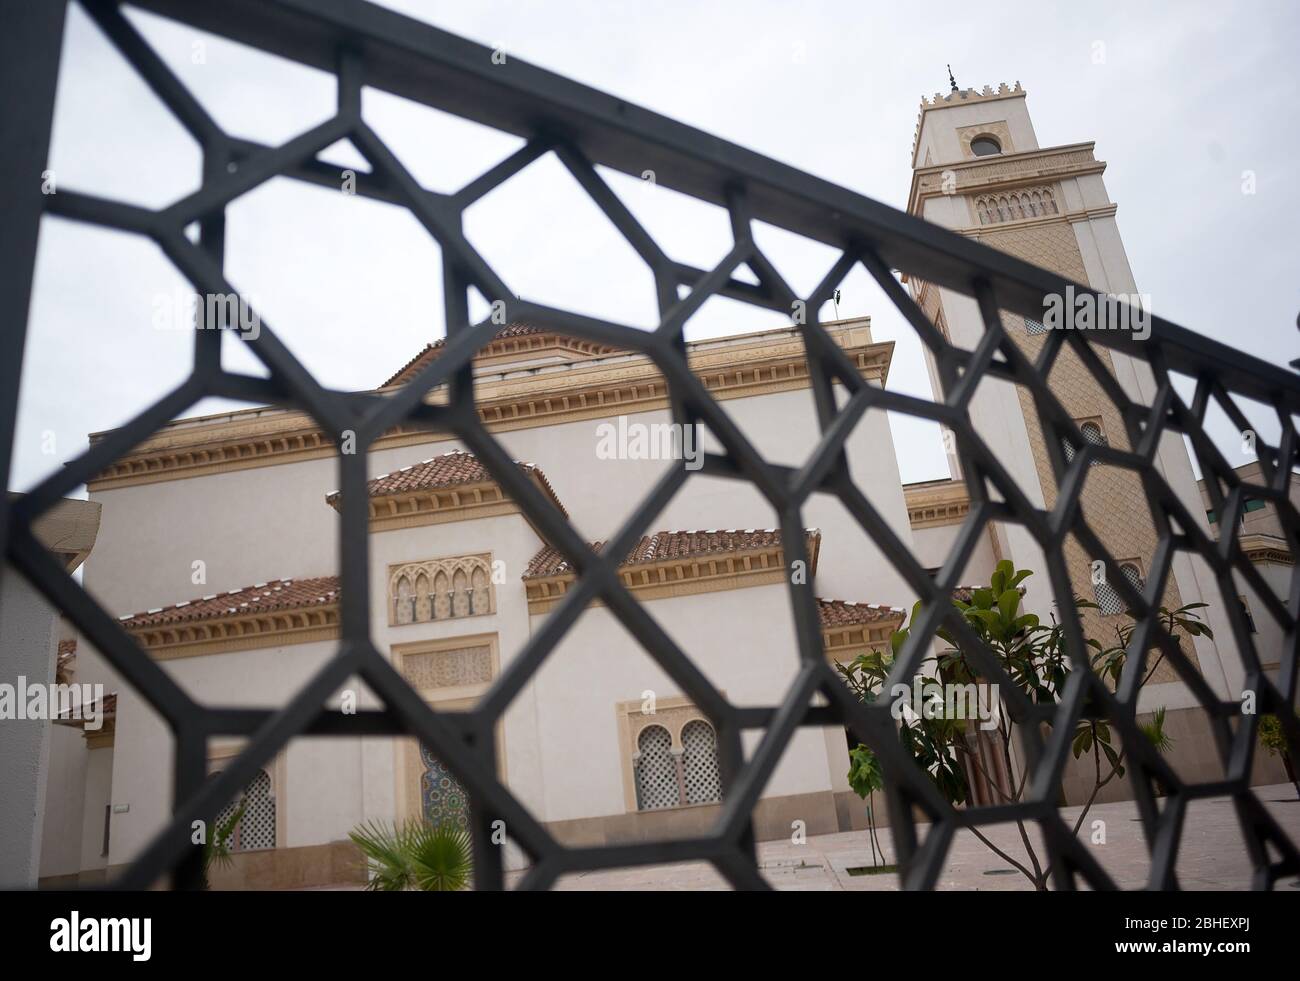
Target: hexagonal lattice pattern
362, 44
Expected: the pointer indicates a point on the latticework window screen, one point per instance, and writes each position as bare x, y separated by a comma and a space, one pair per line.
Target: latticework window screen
700, 763
1091, 433
256, 827
656, 770
364, 45
1106, 598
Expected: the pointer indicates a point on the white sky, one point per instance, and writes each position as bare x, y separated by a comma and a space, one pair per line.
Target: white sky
1184, 102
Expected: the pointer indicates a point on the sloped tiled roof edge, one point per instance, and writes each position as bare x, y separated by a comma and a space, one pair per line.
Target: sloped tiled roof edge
456, 468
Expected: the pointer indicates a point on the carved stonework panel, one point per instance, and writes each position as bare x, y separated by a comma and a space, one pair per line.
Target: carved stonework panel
1018, 204
997, 129
440, 589
448, 669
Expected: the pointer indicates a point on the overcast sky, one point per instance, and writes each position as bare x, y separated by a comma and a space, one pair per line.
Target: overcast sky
1180, 103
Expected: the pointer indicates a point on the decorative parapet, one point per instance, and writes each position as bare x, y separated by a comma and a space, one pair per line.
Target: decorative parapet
936, 503
959, 98
598, 388
1266, 548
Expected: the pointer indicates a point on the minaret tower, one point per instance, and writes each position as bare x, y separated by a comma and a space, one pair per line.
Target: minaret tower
978, 169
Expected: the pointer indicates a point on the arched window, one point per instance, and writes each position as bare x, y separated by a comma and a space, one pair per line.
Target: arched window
985, 145
256, 829
404, 608
442, 798
700, 762
460, 594
1133, 575
1108, 598
423, 608
481, 599
1108, 601
1091, 432
656, 770
441, 596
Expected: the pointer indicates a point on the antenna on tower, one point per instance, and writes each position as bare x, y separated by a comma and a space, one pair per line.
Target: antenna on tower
952, 80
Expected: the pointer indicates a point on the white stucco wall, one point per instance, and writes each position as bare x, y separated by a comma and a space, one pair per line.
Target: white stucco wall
65, 803
742, 640
27, 649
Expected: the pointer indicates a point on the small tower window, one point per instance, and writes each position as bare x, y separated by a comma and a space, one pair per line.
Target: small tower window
985, 146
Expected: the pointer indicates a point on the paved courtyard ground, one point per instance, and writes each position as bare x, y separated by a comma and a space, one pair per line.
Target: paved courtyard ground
1212, 855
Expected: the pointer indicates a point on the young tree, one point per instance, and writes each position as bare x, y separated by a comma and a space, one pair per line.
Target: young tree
1033, 656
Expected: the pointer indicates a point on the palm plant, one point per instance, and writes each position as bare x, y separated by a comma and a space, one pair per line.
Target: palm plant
415, 855
217, 850
1273, 739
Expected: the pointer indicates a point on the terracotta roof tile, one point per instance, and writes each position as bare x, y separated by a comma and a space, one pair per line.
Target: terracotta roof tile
452, 469
843, 613
664, 545
278, 594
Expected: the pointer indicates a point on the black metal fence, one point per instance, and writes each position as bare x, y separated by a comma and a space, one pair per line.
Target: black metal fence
365, 45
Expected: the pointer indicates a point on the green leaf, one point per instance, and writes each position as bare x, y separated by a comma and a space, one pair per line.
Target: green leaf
1008, 603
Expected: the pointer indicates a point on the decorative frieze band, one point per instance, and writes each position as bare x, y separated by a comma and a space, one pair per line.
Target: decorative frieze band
933, 505
238, 633
677, 577
266, 437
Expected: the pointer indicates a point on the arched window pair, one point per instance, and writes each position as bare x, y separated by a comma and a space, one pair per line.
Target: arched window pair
1108, 599
1092, 433
668, 779
256, 828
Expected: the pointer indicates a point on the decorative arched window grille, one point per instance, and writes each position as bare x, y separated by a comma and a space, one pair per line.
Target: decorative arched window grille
1134, 576
1108, 601
1108, 598
656, 770
1090, 432
440, 589
256, 828
700, 763
1037, 202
